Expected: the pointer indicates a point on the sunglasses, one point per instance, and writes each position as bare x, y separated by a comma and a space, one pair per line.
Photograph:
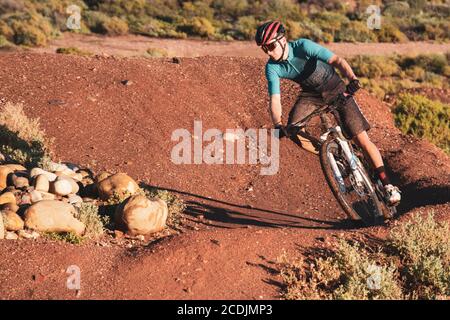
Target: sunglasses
271, 46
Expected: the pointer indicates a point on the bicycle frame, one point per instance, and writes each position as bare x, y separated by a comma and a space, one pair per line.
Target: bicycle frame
355, 164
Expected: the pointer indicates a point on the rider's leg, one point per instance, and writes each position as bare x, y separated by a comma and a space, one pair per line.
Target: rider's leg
306, 103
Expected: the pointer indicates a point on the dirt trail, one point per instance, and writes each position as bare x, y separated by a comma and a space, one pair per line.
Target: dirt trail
243, 219
132, 45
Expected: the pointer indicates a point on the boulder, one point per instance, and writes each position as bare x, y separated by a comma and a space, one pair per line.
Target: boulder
9, 206
16, 167
37, 171
4, 172
36, 196
7, 197
53, 216
41, 183
102, 176
139, 215
12, 221
28, 234
10, 235
61, 187
119, 183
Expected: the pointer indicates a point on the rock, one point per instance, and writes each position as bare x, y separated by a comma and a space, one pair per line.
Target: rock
37, 171
2, 157
102, 176
53, 216
140, 216
9, 206
84, 173
74, 187
4, 172
41, 183
36, 196
2, 228
8, 197
54, 166
61, 187
28, 234
126, 82
16, 167
176, 60
47, 195
25, 199
20, 182
119, 183
10, 235
75, 200
12, 221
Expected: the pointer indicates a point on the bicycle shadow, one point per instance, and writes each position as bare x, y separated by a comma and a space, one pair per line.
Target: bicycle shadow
223, 214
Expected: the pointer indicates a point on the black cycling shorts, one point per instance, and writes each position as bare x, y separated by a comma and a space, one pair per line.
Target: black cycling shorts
309, 100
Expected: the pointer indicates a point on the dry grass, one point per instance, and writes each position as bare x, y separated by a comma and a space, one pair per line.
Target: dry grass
21, 138
414, 263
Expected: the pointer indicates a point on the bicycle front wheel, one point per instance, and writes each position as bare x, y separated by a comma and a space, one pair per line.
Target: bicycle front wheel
358, 200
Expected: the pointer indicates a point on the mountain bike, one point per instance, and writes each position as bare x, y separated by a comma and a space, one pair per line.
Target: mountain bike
347, 169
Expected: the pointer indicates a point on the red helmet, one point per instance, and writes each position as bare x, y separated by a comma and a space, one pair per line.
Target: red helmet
269, 31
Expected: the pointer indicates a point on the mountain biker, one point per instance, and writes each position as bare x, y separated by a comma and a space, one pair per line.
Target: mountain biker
312, 66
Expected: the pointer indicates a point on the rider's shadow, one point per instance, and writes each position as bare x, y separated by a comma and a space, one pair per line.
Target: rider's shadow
222, 214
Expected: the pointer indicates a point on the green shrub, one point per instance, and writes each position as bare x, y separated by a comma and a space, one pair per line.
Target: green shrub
390, 33
68, 237
74, 51
95, 224
202, 27
374, 66
99, 22
115, 27
348, 273
157, 52
423, 245
424, 118
30, 29
355, 31
413, 263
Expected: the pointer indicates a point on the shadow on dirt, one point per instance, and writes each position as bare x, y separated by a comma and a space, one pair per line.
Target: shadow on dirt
222, 214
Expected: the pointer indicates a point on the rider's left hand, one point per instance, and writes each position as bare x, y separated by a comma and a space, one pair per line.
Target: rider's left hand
283, 130
353, 86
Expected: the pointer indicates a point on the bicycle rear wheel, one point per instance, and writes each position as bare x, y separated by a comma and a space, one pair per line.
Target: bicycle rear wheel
358, 201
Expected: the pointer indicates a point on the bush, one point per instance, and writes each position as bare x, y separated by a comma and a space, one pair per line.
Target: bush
424, 118
424, 248
201, 27
99, 22
348, 273
74, 51
157, 52
95, 224
374, 66
68, 237
390, 33
413, 263
115, 27
30, 29
21, 139
355, 31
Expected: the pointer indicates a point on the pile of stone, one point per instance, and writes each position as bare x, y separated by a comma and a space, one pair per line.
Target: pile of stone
34, 201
